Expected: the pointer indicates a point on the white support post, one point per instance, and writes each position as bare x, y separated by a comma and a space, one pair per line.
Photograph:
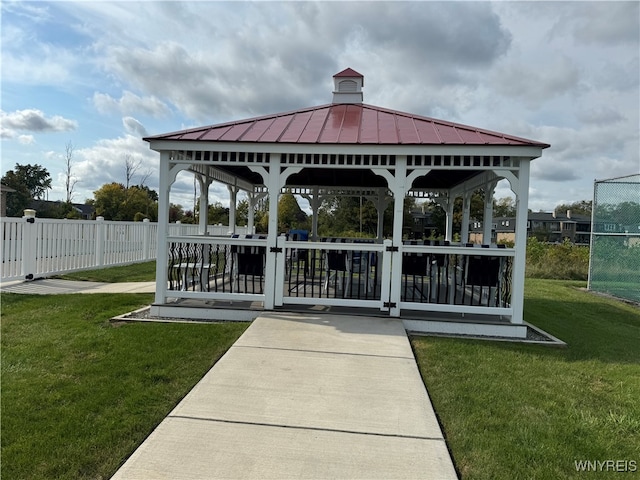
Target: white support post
466, 214
448, 236
315, 206
385, 286
100, 241
204, 183
273, 187
519, 262
251, 197
487, 218
381, 206
29, 245
233, 196
163, 229
399, 190
280, 271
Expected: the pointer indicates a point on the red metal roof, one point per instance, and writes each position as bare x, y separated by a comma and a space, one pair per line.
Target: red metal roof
347, 124
348, 72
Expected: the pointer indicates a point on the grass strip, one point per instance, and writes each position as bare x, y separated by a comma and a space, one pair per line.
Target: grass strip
513, 411
136, 272
80, 394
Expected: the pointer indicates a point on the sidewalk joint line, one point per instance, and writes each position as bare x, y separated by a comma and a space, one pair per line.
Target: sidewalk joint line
299, 427
323, 351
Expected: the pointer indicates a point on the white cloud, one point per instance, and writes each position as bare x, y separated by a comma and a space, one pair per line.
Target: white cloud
134, 127
104, 163
47, 65
130, 104
26, 139
605, 23
257, 69
34, 12
565, 73
602, 115
534, 85
33, 120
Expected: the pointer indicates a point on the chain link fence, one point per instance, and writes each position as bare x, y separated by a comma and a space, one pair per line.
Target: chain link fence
614, 266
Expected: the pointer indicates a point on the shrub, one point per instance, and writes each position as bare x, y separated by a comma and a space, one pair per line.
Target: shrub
564, 261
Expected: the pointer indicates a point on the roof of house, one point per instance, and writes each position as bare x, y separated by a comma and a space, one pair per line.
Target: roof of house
82, 208
549, 217
352, 123
504, 224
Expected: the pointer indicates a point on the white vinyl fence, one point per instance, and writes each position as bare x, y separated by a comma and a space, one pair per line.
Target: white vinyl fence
43, 247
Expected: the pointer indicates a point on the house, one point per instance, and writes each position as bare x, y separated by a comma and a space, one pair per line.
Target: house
422, 225
545, 226
351, 148
47, 208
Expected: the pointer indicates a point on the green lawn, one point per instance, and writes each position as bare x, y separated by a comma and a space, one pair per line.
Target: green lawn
137, 272
80, 394
513, 411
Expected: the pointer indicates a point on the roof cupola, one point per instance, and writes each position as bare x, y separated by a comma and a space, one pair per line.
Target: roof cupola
348, 86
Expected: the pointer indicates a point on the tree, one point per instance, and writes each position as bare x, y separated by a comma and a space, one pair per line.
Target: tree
115, 202
29, 182
70, 180
131, 167
108, 200
290, 215
622, 214
35, 178
218, 214
581, 207
242, 212
176, 212
504, 207
355, 216
152, 194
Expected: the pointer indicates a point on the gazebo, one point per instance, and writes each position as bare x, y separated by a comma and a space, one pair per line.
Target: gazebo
346, 147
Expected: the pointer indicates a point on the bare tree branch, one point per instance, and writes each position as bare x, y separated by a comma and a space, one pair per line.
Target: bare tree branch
70, 180
131, 167
144, 177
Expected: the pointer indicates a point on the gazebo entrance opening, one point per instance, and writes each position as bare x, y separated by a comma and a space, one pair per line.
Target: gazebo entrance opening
347, 148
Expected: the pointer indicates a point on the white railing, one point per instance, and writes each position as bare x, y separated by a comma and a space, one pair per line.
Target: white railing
436, 277
43, 247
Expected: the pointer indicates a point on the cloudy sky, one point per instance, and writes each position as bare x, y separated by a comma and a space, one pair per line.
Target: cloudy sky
102, 75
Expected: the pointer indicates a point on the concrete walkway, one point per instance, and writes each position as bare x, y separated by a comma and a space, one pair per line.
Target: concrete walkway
303, 397
53, 286
298, 396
